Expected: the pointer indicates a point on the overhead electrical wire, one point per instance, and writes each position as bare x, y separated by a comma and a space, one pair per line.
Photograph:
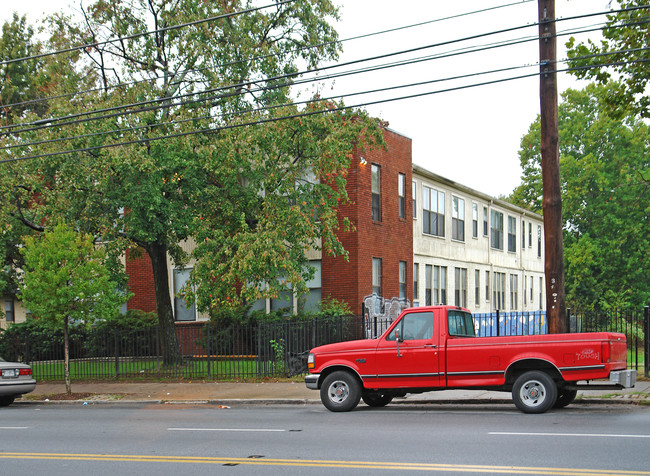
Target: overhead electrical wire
313, 46
308, 80
43, 123
267, 56
311, 113
339, 96
138, 35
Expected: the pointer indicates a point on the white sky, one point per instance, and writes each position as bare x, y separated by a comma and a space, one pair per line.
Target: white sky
470, 136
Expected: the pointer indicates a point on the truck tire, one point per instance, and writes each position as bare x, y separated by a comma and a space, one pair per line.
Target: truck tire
565, 397
340, 392
534, 392
375, 399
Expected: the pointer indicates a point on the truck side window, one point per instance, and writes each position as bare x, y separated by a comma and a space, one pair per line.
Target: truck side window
414, 326
460, 323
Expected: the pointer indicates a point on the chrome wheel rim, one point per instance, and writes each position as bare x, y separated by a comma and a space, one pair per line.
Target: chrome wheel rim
338, 391
532, 393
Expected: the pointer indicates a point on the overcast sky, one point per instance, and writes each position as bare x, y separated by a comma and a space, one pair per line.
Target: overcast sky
470, 135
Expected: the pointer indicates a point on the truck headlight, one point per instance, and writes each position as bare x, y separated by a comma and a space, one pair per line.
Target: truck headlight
311, 361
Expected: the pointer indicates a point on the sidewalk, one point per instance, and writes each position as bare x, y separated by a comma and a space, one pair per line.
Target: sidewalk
229, 393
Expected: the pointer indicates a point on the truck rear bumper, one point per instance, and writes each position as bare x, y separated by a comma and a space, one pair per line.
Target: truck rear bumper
311, 381
624, 378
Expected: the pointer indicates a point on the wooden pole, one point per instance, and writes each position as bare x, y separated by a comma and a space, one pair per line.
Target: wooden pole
552, 199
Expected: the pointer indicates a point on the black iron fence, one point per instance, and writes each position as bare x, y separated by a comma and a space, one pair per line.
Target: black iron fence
273, 349
263, 350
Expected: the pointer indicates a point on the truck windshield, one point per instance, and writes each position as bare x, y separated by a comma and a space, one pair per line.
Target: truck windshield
460, 323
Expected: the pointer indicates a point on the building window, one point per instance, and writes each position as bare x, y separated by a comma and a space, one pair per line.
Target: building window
496, 230
487, 286
428, 290
485, 221
460, 295
457, 219
416, 273
376, 276
311, 301
474, 220
530, 235
413, 199
10, 312
539, 241
541, 286
499, 290
401, 194
512, 234
514, 292
525, 288
523, 235
433, 212
376, 192
182, 312
477, 288
440, 284
531, 290
402, 279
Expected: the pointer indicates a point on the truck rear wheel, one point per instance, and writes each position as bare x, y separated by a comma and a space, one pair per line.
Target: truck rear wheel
534, 392
375, 399
340, 392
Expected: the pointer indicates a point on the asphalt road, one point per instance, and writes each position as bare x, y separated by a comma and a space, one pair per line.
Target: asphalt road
145, 439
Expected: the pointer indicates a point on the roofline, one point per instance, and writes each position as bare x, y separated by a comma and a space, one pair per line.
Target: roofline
488, 198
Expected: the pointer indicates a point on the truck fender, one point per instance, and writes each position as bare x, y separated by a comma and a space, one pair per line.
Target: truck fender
338, 366
524, 364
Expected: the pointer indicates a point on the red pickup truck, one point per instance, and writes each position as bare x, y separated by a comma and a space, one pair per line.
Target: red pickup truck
436, 348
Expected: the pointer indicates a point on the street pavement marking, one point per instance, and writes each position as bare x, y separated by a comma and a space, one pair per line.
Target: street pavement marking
582, 435
227, 429
14, 427
323, 464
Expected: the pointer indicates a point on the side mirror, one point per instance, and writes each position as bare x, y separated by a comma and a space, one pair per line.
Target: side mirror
399, 339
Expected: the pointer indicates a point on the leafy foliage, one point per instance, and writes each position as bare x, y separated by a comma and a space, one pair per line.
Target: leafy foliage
606, 198
625, 47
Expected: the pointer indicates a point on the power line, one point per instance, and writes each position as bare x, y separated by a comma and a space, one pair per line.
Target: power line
296, 50
138, 35
311, 113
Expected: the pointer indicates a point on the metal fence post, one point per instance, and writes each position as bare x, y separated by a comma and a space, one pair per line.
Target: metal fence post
568, 319
207, 326
117, 354
646, 356
498, 324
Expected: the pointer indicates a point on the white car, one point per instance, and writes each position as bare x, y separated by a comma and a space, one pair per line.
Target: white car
15, 380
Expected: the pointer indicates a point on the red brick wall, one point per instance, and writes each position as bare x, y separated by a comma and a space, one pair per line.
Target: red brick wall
140, 282
390, 239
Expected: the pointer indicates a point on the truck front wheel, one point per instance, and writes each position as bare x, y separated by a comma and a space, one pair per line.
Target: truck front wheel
340, 392
534, 392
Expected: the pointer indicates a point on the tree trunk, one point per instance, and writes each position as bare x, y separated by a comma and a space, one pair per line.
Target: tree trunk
169, 340
66, 356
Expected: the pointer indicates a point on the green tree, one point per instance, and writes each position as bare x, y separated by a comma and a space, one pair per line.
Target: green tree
625, 43
65, 281
155, 174
18, 80
605, 195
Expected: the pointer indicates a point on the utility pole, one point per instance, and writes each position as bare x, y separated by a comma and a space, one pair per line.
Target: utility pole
552, 198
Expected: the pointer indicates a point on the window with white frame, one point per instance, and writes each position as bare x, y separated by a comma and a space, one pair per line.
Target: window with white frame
376, 276
460, 290
182, 311
375, 172
428, 288
512, 234
523, 235
477, 288
433, 211
487, 286
311, 301
440, 284
401, 195
10, 313
474, 220
496, 230
413, 199
402, 279
457, 218
416, 273
485, 221
539, 241
499, 290
514, 292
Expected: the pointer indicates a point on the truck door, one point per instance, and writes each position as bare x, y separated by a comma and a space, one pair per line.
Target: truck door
408, 355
